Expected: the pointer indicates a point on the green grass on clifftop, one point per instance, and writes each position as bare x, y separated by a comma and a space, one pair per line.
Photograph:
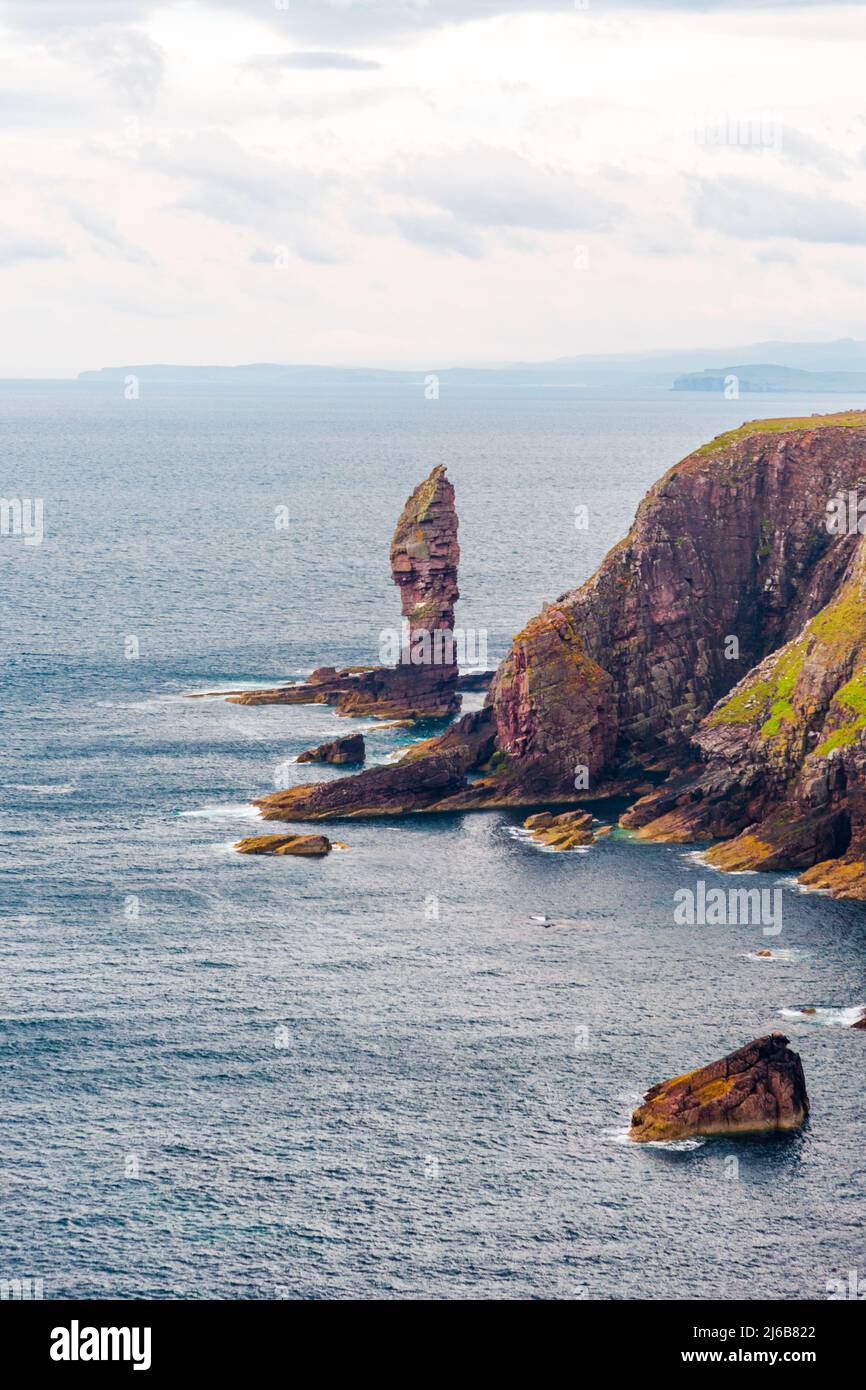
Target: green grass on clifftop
851, 419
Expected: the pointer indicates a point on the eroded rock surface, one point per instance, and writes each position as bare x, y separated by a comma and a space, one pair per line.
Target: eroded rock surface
424, 681
568, 830
760, 1087
312, 845
351, 749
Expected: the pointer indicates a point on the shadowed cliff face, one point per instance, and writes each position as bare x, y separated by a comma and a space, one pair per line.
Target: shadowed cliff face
731, 542
726, 636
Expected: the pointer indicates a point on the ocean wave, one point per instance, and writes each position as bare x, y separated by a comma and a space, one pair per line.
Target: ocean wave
42, 789
828, 1016
243, 811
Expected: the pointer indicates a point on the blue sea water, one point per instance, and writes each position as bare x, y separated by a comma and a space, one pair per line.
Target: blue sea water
375, 1075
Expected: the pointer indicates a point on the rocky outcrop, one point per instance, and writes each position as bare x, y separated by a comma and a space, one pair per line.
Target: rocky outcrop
721, 647
305, 845
568, 830
758, 1088
425, 778
424, 680
351, 749
782, 776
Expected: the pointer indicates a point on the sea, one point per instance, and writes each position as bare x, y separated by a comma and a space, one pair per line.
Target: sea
404, 1071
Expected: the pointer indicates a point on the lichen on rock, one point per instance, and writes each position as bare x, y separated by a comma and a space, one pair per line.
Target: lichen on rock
760, 1088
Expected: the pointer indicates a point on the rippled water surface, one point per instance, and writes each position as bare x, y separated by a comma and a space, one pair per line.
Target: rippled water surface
373, 1075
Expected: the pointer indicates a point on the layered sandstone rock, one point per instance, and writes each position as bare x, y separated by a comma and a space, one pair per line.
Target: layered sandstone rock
568, 830
424, 681
758, 1088
305, 845
427, 775
351, 749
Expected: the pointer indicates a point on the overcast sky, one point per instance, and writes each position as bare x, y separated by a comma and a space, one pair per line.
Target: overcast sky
425, 182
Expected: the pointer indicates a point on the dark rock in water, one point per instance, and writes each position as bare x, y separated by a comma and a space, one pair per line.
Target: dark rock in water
758, 1088
351, 749
861, 1021
423, 683
312, 845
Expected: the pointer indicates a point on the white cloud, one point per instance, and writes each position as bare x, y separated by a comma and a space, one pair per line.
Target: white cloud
757, 211
317, 61
486, 186
401, 184
16, 248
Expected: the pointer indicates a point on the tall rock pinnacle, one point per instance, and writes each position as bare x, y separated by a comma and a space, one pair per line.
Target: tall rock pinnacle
424, 559
423, 680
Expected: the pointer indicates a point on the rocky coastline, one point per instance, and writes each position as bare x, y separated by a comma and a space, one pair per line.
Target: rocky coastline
719, 649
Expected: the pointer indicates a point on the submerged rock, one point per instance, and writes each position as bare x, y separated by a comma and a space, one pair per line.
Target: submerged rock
760, 1087
351, 749
312, 845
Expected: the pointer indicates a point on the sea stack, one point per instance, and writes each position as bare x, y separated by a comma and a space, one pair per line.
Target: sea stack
757, 1089
728, 656
423, 681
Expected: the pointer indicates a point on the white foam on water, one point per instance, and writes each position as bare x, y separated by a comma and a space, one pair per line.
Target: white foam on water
827, 1017
43, 789
621, 1136
214, 692
244, 811
775, 955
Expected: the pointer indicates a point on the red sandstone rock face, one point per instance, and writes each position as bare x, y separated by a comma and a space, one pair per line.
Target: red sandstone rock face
731, 541
760, 1087
425, 556
554, 708
424, 681
783, 766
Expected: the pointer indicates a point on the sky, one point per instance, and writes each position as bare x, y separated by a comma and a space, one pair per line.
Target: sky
423, 183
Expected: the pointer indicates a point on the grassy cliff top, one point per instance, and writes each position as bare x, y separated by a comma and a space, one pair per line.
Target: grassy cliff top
847, 419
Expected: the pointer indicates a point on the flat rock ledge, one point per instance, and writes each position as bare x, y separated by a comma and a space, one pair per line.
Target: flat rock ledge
312, 846
568, 830
760, 1088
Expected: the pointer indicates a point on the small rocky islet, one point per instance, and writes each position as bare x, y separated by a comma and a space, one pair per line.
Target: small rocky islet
307, 846
756, 746
759, 1088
